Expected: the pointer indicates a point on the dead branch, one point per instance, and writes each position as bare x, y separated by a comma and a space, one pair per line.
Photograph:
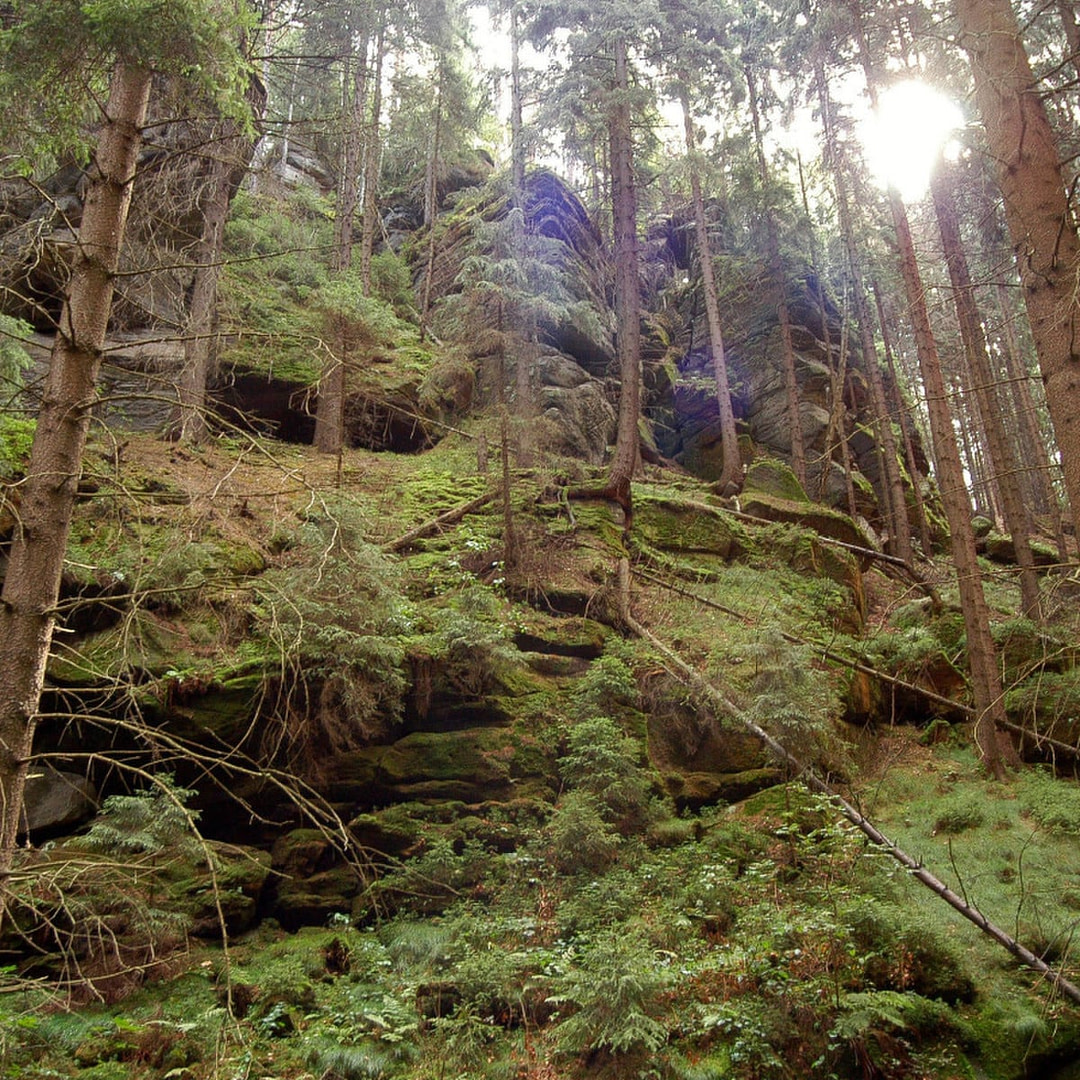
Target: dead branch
450, 517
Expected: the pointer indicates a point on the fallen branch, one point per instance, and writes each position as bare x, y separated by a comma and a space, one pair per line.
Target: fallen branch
450, 517
687, 675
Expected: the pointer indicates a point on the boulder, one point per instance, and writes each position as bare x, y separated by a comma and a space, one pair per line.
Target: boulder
56, 802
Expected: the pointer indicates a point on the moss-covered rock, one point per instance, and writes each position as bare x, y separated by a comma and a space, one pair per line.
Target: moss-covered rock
671, 525
822, 519
770, 476
470, 765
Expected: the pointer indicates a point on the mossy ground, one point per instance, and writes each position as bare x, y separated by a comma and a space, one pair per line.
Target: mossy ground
576, 924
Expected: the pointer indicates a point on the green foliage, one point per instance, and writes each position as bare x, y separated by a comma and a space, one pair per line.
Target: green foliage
335, 619
789, 696
957, 814
608, 685
153, 821
1054, 804
55, 60
391, 282
582, 841
615, 989
603, 762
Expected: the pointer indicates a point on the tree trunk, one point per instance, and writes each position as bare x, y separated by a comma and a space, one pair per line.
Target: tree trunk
226, 169
986, 683
776, 279
372, 163
892, 482
1032, 441
330, 410
1036, 209
32, 584
1002, 459
627, 286
523, 368
905, 431
431, 198
730, 481
1067, 12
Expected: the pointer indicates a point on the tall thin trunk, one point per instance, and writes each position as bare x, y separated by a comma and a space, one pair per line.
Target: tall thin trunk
1002, 458
227, 166
982, 655
627, 284
1067, 12
776, 279
372, 163
730, 480
914, 472
523, 378
32, 583
986, 683
1040, 222
330, 410
431, 199
1032, 441
892, 482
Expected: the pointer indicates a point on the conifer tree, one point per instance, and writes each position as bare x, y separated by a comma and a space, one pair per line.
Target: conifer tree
1040, 221
125, 43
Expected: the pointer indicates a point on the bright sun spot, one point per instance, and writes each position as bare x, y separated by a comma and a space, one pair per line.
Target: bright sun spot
903, 139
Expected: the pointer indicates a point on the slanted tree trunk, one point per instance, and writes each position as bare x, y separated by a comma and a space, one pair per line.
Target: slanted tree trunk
330, 410
32, 583
730, 480
1040, 223
627, 297
1002, 459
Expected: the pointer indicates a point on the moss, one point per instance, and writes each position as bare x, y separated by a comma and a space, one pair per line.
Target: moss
768, 476
674, 526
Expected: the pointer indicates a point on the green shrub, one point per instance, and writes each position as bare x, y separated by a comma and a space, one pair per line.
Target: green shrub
1053, 803
581, 839
615, 991
603, 762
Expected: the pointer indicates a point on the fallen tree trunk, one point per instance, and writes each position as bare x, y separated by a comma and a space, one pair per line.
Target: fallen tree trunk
450, 517
688, 676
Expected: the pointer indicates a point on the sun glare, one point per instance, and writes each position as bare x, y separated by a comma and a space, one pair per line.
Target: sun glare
903, 138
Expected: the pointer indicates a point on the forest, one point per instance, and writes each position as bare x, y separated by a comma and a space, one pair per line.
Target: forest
539, 539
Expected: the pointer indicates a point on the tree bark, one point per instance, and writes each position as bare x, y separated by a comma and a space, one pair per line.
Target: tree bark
914, 472
985, 681
372, 162
1032, 441
330, 409
730, 481
32, 584
523, 367
627, 297
1002, 459
1043, 231
228, 163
